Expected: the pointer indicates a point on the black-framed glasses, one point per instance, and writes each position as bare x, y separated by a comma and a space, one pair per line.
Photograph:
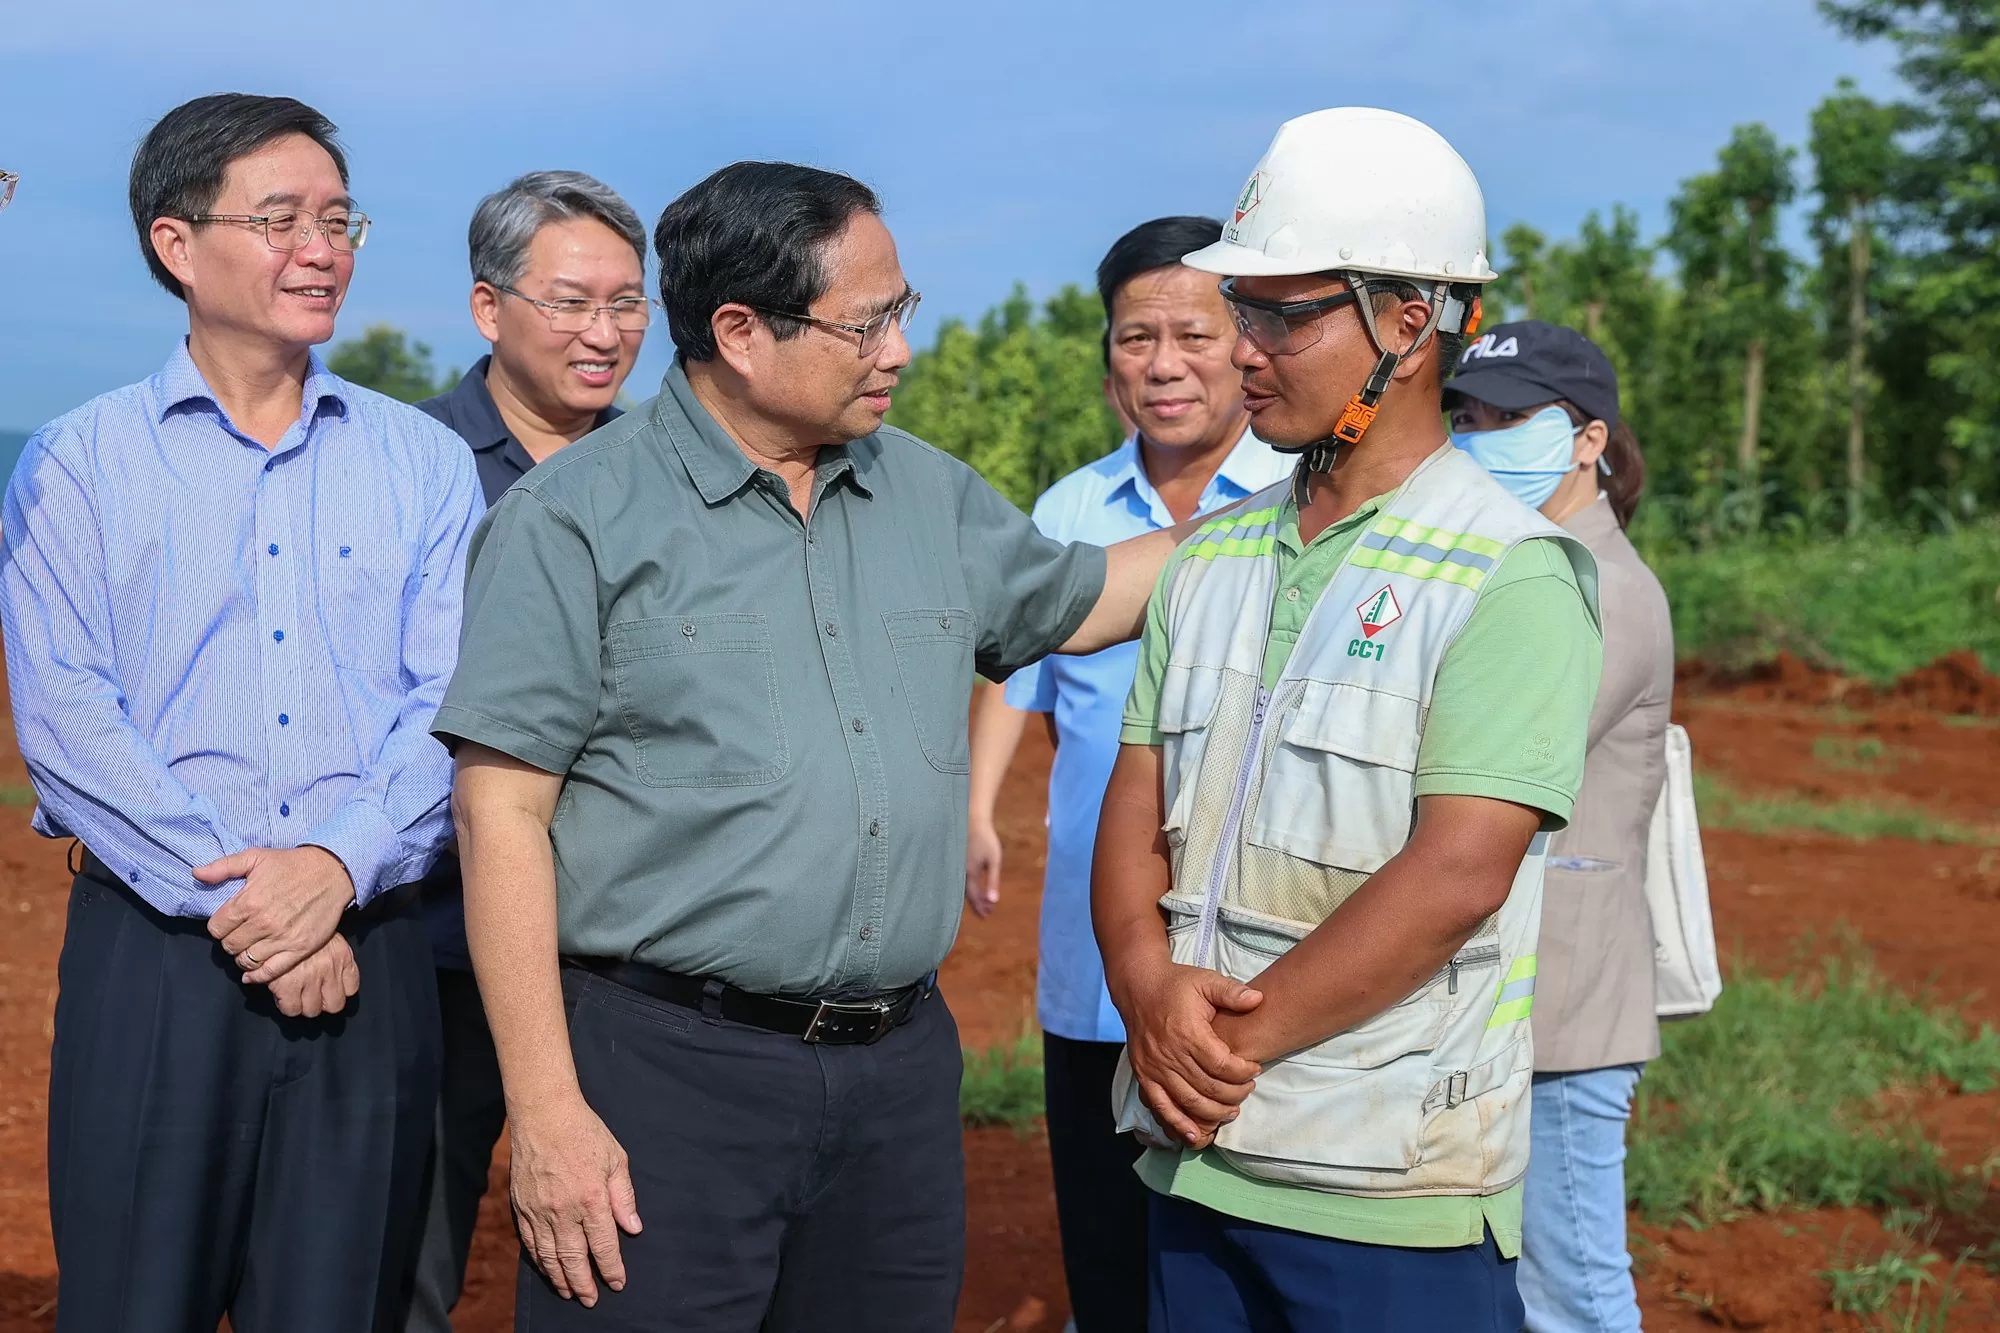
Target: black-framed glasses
293, 228
870, 334
1279, 328
8, 180
577, 314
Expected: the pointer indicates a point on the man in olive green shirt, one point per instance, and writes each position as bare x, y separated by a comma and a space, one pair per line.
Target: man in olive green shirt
711, 747
1347, 309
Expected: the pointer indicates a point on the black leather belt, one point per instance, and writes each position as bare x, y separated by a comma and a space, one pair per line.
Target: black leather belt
828, 1022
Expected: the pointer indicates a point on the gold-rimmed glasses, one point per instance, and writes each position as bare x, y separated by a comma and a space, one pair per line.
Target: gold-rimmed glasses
292, 229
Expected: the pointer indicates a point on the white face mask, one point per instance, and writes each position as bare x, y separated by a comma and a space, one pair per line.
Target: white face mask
1530, 459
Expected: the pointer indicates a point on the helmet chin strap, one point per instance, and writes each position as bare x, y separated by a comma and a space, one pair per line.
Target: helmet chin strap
1360, 411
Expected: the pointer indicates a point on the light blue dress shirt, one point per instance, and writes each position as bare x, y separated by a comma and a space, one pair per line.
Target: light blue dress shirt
1101, 502
213, 646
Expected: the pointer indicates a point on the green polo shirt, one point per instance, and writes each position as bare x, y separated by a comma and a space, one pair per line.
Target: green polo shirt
1509, 719
760, 721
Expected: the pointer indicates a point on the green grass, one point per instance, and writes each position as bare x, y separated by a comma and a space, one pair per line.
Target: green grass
1876, 605
17, 795
1772, 1100
1003, 1085
1723, 806
1853, 754
1867, 1288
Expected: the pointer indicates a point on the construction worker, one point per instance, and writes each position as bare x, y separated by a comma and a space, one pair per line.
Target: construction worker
1537, 406
1166, 362
1360, 711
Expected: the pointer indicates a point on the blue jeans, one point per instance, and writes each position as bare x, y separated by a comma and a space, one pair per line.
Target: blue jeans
1575, 1274
1212, 1273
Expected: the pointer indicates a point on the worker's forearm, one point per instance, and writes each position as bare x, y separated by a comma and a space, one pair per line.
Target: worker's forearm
510, 924
996, 735
1375, 950
1131, 568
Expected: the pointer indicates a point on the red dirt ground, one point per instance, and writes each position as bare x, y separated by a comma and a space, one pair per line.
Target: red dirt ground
1929, 913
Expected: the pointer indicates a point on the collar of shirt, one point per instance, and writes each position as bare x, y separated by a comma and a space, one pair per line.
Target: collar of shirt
1238, 474
717, 464
180, 384
470, 410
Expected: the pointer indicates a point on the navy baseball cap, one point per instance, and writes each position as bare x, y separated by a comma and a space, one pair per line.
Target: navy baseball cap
1528, 362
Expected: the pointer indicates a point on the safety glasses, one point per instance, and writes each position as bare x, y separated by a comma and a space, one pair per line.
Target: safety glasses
1279, 328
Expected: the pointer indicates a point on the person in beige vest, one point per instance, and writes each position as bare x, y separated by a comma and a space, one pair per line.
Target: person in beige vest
1537, 406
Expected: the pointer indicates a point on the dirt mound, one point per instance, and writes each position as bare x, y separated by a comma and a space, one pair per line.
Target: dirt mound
1957, 683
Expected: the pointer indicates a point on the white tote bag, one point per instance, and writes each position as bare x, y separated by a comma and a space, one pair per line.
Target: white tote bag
1686, 976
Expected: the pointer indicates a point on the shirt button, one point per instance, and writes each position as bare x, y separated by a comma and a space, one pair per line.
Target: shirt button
284, 719
1291, 594
284, 808
859, 725
874, 828
274, 548
687, 628
868, 932
832, 629
944, 622
270, 463
278, 634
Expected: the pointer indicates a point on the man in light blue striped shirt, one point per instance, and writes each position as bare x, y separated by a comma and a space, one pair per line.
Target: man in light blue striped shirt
231, 598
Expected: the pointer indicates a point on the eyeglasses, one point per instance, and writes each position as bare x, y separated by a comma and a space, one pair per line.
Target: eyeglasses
1279, 328
8, 180
576, 314
293, 230
871, 333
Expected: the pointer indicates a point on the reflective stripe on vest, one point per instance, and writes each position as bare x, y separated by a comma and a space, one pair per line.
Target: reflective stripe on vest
1516, 995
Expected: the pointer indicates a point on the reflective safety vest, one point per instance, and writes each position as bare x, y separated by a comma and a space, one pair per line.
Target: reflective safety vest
1281, 802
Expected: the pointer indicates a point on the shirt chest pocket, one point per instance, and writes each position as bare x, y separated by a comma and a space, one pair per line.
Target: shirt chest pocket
699, 695
361, 606
934, 661
1341, 788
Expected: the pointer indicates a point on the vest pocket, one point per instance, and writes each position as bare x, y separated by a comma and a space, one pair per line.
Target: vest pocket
1189, 697
1340, 790
1306, 1118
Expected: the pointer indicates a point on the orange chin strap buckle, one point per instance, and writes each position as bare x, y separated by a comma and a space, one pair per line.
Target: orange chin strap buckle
1472, 324
1355, 420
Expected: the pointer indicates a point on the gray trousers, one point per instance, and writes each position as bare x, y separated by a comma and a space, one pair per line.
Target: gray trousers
784, 1187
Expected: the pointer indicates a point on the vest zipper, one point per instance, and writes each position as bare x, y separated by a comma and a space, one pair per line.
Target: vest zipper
1212, 904
1468, 958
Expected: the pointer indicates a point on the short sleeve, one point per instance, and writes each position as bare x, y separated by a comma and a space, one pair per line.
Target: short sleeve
528, 679
1510, 710
1142, 705
1029, 592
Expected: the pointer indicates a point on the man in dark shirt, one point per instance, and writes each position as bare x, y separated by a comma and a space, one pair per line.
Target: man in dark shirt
558, 288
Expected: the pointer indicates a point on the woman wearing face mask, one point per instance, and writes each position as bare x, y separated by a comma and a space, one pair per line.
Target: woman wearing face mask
1537, 406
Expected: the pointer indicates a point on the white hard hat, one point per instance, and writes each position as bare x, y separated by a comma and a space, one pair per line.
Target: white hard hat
1355, 188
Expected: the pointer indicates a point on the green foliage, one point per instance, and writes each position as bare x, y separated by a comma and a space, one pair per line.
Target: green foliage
17, 796
1867, 1288
1021, 398
1003, 1085
384, 360
1773, 1099
1723, 806
1876, 605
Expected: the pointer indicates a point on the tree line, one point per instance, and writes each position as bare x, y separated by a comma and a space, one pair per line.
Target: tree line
1849, 383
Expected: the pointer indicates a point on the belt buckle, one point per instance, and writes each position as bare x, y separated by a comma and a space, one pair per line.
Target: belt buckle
829, 1009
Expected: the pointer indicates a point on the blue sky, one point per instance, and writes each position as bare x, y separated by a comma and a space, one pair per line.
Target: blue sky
1014, 142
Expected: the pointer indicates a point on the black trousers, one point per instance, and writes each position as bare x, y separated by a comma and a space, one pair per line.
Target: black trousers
208, 1155
784, 1187
471, 1112
1100, 1202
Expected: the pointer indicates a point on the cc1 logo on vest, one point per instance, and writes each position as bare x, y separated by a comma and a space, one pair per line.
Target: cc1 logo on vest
1377, 613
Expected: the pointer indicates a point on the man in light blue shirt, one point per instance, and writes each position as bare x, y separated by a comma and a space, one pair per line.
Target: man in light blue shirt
231, 596
1167, 348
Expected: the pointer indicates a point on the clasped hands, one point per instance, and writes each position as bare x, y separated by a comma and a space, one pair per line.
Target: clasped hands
282, 926
1190, 1078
